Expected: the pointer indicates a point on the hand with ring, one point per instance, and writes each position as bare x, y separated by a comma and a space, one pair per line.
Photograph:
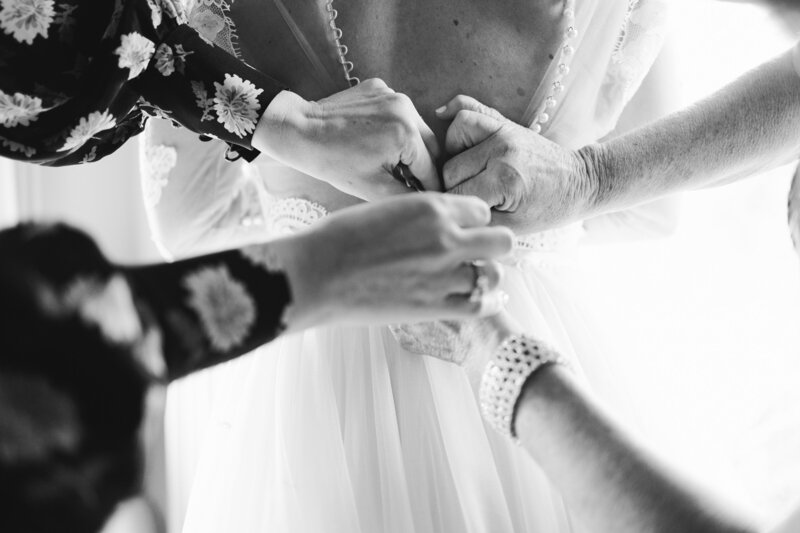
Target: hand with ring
416, 257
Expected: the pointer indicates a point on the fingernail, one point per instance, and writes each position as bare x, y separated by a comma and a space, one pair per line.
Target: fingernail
441, 110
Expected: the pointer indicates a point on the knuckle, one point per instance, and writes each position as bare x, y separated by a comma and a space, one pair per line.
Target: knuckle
492, 112
444, 241
477, 208
463, 101
483, 211
505, 240
374, 83
403, 99
463, 115
398, 132
398, 103
506, 149
449, 170
509, 178
440, 212
495, 272
432, 208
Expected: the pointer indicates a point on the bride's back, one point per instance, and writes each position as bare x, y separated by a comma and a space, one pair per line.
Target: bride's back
429, 49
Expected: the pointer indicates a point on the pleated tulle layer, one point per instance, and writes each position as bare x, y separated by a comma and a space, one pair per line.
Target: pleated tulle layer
341, 430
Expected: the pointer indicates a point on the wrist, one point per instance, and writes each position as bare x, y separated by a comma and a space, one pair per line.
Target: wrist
492, 332
592, 178
282, 125
306, 278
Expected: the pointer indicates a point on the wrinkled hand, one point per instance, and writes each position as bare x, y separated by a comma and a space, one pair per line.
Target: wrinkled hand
352, 139
531, 183
397, 260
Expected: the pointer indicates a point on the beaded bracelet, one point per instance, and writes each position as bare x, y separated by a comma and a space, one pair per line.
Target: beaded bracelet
501, 385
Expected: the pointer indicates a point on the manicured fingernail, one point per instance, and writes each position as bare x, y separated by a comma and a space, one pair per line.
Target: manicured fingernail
441, 110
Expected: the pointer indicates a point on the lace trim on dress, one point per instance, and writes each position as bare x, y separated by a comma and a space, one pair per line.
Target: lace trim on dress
640, 40
282, 216
156, 162
551, 240
285, 216
211, 19
342, 49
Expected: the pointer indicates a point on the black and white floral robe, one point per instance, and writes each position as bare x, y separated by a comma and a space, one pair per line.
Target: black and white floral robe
78, 78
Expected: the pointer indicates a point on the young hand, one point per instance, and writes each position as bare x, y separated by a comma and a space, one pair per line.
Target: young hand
399, 260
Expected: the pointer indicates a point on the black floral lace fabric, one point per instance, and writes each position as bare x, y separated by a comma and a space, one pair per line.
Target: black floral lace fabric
79, 77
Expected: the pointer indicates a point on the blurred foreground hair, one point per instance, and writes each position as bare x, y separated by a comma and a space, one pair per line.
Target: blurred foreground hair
70, 402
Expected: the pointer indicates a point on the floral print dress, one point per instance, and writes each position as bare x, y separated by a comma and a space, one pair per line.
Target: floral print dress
175, 318
79, 77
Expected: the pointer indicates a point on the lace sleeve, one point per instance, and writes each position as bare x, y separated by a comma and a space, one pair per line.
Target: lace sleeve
639, 42
653, 219
196, 201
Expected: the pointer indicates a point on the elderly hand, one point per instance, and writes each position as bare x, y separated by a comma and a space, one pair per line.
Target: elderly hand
531, 183
352, 139
404, 259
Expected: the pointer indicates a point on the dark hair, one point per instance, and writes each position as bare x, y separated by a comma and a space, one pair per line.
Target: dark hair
57, 371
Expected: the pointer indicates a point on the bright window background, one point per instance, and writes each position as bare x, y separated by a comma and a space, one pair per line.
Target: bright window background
103, 198
707, 323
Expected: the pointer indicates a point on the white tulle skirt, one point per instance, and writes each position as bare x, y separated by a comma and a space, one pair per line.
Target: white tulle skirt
341, 430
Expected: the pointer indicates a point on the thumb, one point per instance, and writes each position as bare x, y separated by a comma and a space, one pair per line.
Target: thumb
481, 186
466, 103
468, 129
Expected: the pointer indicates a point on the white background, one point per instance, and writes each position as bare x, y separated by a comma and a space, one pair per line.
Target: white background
707, 323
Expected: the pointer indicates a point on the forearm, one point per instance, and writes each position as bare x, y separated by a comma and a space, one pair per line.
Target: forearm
607, 479
751, 125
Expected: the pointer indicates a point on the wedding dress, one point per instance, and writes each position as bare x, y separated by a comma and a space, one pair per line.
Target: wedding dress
338, 428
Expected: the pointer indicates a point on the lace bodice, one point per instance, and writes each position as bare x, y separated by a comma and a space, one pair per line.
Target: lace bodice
282, 216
